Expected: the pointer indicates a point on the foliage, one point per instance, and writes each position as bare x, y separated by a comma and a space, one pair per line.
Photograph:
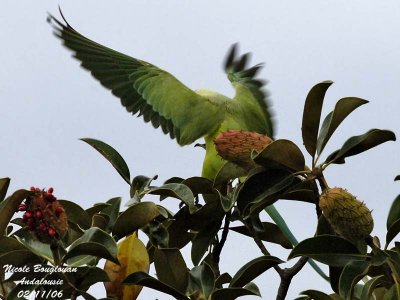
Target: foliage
358, 268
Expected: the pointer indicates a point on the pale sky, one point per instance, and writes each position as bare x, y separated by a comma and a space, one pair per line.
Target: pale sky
48, 102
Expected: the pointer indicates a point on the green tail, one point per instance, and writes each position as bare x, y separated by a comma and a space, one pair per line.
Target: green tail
277, 218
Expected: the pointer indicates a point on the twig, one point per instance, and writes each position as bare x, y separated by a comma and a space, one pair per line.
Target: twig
287, 276
218, 248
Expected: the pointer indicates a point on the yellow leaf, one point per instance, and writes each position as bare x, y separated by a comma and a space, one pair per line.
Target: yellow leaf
133, 257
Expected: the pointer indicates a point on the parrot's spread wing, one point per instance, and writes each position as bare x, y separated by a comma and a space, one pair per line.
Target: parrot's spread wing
250, 94
145, 89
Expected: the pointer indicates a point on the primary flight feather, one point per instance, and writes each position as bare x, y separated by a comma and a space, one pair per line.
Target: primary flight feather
163, 100
184, 114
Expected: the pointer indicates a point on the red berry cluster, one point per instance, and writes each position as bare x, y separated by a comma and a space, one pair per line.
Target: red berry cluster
43, 214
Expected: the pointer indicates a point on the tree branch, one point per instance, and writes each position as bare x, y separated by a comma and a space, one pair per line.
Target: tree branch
287, 276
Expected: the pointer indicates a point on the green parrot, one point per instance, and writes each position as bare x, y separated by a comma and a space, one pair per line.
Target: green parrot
184, 114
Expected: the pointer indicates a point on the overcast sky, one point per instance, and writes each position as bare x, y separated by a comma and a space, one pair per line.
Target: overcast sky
48, 102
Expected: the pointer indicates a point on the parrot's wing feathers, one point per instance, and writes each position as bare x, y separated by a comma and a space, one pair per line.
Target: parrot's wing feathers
145, 89
250, 92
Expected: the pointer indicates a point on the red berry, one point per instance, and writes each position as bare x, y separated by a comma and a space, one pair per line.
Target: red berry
28, 214
50, 197
31, 227
43, 226
38, 214
52, 232
50, 191
33, 188
59, 210
22, 207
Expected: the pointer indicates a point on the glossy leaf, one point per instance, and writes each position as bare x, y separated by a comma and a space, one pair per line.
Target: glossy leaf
316, 295
96, 208
227, 172
202, 241
271, 233
157, 233
4, 184
281, 153
176, 190
135, 217
34, 245
361, 143
132, 257
112, 211
328, 249
312, 115
253, 269
94, 242
141, 278
140, 183
370, 286
171, 268
76, 214
352, 273
235, 292
393, 231
394, 212
262, 186
199, 185
224, 278
9, 206
342, 109
202, 280
112, 156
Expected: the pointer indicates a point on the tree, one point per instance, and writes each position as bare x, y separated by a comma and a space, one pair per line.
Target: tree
56, 246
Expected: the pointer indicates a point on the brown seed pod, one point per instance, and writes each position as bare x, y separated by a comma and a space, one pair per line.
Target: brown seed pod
45, 216
236, 146
348, 216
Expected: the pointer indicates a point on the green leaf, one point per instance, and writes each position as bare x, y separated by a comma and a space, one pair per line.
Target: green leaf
394, 213
342, 109
139, 183
202, 241
9, 206
178, 230
261, 187
112, 211
202, 279
34, 245
199, 185
112, 156
316, 295
253, 269
94, 242
4, 184
281, 153
98, 207
370, 286
352, 273
393, 293
328, 249
141, 278
224, 278
171, 268
76, 214
361, 143
134, 218
312, 115
235, 292
157, 233
271, 233
176, 190
227, 172
392, 231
